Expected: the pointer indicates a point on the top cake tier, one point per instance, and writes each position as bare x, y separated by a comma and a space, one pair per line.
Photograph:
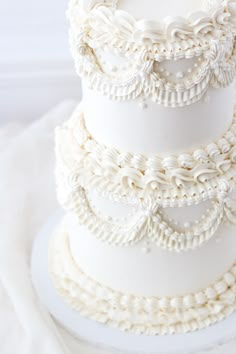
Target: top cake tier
172, 61
155, 54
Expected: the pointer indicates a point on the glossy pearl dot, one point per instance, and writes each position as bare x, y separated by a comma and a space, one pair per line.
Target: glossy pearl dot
180, 75
148, 212
146, 250
143, 105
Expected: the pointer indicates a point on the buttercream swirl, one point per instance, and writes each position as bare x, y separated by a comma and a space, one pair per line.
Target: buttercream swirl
104, 22
78, 151
146, 315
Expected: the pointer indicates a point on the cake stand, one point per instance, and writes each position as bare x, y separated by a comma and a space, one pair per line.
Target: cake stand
109, 338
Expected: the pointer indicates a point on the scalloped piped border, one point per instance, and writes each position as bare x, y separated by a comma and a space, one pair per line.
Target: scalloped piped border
149, 223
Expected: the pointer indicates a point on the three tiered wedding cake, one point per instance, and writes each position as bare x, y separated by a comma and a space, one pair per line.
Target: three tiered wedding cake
146, 166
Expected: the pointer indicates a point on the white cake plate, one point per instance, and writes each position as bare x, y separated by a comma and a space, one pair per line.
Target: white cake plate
109, 338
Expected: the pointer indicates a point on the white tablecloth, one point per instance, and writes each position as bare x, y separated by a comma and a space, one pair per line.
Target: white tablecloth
27, 199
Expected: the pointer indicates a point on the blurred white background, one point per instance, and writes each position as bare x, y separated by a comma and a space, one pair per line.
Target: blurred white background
36, 69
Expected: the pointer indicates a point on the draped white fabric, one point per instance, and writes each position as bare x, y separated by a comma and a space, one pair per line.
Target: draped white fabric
27, 199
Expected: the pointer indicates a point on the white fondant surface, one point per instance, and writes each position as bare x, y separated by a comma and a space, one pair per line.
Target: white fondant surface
157, 129
157, 9
160, 272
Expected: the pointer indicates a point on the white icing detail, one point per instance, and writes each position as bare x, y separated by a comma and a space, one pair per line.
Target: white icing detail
149, 223
206, 34
180, 75
147, 315
115, 24
83, 164
162, 234
193, 172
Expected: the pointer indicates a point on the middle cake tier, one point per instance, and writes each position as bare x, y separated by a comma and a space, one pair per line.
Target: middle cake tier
147, 224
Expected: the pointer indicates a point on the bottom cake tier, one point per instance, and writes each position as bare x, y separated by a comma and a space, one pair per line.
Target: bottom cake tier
150, 315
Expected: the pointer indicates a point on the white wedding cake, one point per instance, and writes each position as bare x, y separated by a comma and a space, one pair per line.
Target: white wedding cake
146, 166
